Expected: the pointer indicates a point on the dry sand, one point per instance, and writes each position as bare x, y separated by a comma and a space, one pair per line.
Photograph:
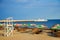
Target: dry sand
27, 36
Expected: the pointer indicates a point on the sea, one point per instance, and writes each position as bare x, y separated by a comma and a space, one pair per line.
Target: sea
48, 23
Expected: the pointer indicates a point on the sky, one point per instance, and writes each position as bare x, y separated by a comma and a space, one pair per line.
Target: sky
30, 9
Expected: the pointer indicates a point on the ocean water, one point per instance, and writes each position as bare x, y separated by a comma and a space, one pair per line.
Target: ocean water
48, 23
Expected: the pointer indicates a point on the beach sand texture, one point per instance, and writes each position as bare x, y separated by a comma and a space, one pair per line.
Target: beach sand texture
27, 36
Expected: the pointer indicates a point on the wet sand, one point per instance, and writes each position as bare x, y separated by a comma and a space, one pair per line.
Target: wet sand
28, 36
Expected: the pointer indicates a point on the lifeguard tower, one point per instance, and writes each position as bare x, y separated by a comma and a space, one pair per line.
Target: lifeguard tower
8, 26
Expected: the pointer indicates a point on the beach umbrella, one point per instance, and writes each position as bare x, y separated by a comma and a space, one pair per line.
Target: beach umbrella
39, 26
17, 24
33, 25
24, 25
1, 24
56, 27
29, 25
55, 30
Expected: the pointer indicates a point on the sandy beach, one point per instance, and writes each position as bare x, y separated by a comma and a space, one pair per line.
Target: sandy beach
28, 36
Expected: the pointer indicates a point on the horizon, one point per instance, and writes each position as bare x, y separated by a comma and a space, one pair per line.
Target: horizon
31, 19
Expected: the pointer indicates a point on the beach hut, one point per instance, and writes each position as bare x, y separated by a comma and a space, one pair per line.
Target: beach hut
56, 30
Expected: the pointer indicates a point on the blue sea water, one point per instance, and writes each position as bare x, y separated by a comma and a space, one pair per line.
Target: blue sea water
48, 23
